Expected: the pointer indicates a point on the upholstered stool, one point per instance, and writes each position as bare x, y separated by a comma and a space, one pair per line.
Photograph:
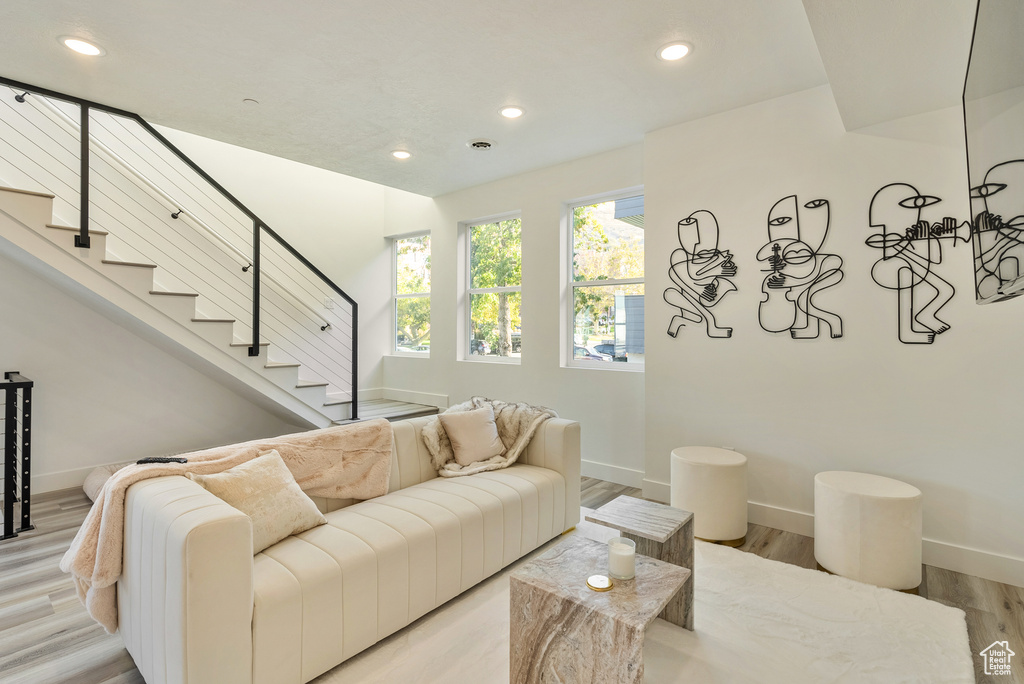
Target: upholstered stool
868, 528
98, 477
711, 483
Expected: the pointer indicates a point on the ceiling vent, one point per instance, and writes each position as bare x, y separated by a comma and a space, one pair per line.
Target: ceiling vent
481, 144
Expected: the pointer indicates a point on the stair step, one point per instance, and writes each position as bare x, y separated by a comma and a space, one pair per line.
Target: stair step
92, 231
390, 409
248, 344
213, 320
26, 192
337, 402
127, 263
303, 384
278, 364
164, 293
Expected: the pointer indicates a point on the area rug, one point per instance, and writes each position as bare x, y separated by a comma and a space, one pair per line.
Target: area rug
757, 621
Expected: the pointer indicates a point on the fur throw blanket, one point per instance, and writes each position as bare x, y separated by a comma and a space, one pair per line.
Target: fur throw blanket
516, 424
345, 462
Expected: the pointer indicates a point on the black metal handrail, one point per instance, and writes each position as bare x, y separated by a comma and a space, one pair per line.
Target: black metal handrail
17, 438
82, 238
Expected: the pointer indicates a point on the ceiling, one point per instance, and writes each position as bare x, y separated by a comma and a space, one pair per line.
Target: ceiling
341, 84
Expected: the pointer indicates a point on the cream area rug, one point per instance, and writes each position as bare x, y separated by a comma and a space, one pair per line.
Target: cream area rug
757, 621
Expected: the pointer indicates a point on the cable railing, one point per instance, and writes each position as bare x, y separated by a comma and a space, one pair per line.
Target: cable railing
169, 187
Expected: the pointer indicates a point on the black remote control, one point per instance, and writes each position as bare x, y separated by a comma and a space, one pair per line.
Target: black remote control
161, 459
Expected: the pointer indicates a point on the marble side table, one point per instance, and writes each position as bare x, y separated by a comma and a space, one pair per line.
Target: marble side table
562, 631
661, 532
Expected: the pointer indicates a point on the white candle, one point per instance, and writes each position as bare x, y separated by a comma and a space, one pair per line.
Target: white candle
622, 558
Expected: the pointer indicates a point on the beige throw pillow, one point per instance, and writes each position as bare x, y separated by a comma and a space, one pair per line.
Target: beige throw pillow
473, 434
265, 490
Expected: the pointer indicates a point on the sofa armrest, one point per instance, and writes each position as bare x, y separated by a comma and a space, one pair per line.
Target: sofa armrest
556, 445
185, 595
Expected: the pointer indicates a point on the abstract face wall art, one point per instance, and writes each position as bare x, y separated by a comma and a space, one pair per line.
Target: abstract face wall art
797, 270
700, 274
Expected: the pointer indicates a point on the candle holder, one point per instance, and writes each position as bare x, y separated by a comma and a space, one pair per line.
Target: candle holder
621, 558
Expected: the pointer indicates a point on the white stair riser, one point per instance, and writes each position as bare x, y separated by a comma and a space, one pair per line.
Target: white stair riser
96, 253
219, 334
285, 378
314, 396
136, 280
32, 210
179, 308
336, 412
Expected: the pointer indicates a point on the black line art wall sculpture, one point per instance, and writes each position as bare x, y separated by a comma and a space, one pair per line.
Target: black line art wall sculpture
998, 242
700, 272
911, 248
797, 271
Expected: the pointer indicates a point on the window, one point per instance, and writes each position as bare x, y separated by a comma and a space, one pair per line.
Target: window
606, 244
412, 294
494, 295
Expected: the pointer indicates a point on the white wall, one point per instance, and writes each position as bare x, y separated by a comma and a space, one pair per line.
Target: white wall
608, 404
102, 394
944, 417
337, 222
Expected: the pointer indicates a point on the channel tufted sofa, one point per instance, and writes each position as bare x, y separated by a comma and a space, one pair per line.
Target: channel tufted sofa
196, 607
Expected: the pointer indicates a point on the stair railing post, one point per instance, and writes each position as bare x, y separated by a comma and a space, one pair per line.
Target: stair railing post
10, 460
354, 413
82, 239
254, 350
26, 459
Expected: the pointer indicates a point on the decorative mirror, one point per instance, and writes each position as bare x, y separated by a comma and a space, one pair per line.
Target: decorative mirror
994, 123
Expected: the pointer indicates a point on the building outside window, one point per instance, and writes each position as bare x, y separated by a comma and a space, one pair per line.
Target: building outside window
412, 294
606, 244
494, 295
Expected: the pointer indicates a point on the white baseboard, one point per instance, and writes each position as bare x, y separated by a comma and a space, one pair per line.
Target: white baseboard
62, 479
369, 394
611, 473
426, 398
657, 491
780, 518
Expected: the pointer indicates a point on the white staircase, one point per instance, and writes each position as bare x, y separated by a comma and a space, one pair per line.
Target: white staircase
130, 293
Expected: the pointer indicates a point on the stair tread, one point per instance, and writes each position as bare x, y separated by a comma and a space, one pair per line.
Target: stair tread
391, 409
248, 344
213, 320
173, 294
26, 192
277, 364
302, 383
337, 402
113, 262
92, 231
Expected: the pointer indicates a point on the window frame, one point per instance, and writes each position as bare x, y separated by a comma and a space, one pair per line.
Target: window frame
569, 285
395, 296
467, 291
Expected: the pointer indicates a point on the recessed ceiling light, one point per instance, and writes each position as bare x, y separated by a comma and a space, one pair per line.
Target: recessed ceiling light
673, 51
82, 47
250, 101
401, 154
512, 112
481, 144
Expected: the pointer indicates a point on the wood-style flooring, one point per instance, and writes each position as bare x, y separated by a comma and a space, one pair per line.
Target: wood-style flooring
47, 638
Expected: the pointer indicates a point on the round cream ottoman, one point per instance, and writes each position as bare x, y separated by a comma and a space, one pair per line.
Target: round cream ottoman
711, 483
868, 528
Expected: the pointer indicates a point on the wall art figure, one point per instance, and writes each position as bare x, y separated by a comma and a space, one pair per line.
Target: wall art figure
700, 272
911, 248
798, 270
998, 241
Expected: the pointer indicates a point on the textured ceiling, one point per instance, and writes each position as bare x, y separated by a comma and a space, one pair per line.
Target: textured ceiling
342, 83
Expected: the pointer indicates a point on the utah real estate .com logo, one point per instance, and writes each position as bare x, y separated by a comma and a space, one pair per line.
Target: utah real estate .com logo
997, 658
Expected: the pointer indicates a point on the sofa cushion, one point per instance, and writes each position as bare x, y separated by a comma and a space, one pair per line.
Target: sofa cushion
265, 490
378, 565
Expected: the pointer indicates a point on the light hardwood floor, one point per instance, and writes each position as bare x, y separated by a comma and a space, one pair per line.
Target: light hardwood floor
46, 637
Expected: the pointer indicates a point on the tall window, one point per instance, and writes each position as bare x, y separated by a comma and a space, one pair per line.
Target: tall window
495, 284
412, 294
606, 242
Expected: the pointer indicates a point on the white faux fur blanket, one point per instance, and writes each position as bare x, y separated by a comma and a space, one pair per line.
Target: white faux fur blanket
346, 462
516, 424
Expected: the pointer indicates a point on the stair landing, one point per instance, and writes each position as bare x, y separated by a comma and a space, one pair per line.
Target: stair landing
391, 409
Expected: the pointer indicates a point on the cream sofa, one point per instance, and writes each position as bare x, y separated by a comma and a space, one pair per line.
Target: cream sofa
197, 607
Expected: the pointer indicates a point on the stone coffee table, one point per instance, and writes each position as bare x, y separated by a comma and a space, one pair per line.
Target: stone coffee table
563, 631
661, 532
